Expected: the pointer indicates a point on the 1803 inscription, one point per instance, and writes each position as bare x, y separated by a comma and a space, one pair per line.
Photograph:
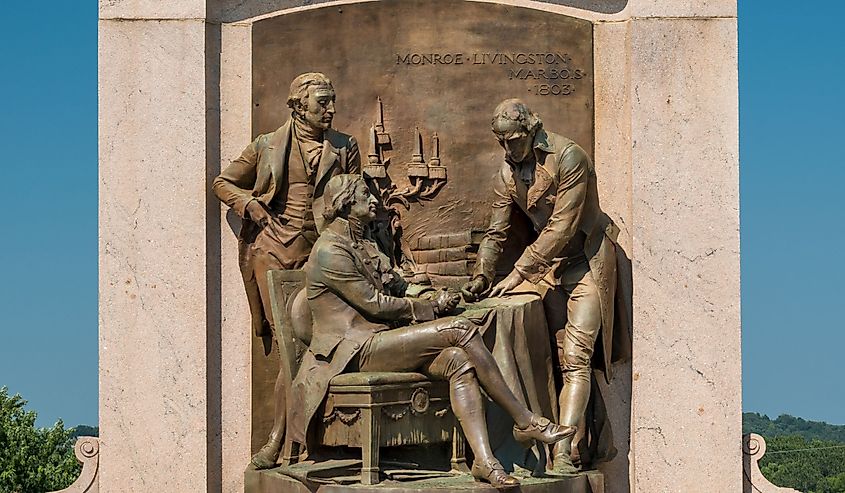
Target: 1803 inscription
552, 72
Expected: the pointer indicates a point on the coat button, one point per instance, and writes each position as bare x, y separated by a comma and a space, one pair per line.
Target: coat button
356, 346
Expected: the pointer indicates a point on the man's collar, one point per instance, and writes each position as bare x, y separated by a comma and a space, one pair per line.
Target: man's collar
541, 145
339, 226
541, 141
348, 229
304, 131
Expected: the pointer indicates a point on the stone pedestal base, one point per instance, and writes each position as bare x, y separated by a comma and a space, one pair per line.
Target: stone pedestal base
272, 481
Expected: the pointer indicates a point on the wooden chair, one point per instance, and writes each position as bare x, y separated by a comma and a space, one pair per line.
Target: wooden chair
363, 410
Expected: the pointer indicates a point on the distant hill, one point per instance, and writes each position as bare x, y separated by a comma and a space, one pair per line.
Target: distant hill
85, 431
790, 425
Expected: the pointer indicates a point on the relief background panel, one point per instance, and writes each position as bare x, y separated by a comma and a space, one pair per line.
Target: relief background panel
454, 100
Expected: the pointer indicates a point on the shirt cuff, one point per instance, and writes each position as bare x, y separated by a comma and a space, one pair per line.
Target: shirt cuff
532, 267
421, 310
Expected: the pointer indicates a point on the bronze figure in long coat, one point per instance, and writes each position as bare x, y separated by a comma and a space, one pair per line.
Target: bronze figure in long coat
260, 174
276, 187
553, 182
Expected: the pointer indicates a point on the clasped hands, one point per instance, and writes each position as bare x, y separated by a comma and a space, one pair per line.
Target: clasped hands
445, 302
475, 289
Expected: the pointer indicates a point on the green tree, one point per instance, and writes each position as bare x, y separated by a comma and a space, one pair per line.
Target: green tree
33, 459
811, 466
806, 455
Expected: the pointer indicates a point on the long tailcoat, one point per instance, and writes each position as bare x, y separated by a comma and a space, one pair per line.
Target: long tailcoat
562, 201
260, 173
353, 293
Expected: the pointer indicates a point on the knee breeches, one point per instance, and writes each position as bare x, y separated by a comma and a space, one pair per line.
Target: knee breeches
574, 310
434, 348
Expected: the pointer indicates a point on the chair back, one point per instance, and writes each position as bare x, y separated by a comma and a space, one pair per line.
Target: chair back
284, 285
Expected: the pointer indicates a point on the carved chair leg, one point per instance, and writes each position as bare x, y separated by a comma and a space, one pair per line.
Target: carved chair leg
459, 456
370, 446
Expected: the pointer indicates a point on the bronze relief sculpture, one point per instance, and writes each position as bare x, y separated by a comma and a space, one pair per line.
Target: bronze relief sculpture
276, 187
573, 260
308, 208
364, 321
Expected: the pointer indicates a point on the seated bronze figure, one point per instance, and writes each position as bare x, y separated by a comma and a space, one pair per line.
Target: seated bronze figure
362, 321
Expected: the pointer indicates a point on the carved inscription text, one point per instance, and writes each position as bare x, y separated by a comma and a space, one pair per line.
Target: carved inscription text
549, 73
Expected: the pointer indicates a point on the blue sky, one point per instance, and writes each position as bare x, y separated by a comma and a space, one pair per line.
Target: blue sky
792, 202
792, 172
48, 246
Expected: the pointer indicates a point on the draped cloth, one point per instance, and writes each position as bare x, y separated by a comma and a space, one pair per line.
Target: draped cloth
517, 334
518, 337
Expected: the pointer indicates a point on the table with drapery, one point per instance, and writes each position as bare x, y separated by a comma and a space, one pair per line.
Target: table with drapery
514, 327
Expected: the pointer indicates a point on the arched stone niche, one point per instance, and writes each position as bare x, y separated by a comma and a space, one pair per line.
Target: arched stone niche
441, 66
237, 10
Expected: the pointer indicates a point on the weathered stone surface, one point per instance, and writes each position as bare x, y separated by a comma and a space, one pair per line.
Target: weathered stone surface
666, 153
613, 167
238, 10
236, 338
152, 9
687, 377
599, 6
154, 282
681, 8
753, 449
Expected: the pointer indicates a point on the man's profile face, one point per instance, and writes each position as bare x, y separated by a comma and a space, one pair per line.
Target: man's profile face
514, 139
317, 108
364, 207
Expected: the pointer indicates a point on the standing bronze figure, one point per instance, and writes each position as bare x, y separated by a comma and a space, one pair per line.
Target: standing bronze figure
276, 186
360, 323
552, 180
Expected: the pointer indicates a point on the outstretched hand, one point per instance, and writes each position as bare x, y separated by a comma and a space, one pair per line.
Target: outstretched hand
513, 280
474, 290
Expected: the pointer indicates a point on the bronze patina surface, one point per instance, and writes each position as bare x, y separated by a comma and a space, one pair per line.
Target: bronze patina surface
275, 186
274, 481
552, 180
365, 320
435, 65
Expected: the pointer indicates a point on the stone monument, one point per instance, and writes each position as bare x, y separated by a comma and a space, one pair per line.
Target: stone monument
647, 89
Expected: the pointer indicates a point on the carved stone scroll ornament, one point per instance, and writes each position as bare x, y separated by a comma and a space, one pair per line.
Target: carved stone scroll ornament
753, 481
87, 451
